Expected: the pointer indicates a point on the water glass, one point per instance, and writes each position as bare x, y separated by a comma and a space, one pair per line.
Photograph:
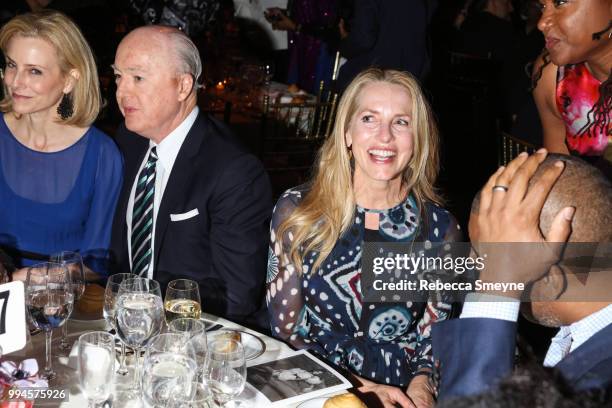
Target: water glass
49, 300
169, 368
198, 396
225, 370
96, 358
74, 263
194, 333
182, 300
139, 316
111, 293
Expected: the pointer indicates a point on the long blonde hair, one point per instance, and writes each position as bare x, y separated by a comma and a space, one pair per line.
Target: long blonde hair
327, 210
73, 52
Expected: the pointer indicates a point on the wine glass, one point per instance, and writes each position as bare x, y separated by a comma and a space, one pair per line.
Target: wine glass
198, 396
182, 300
169, 367
139, 316
74, 264
110, 310
96, 366
49, 299
225, 370
194, 332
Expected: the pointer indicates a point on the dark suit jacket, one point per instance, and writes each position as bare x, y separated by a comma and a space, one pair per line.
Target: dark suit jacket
389, 34
225, 247
476, 353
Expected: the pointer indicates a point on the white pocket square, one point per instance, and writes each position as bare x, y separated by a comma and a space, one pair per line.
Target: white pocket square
184, 216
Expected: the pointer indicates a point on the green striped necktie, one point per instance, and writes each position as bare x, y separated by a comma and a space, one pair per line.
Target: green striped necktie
142, 217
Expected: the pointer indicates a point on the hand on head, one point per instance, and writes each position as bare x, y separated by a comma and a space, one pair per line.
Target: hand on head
509, 212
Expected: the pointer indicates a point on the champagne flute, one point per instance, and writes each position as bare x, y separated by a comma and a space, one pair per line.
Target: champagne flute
169, 367
182, 300
111, 293
74, 263
49, 299
139, 316
225, 370
96, 366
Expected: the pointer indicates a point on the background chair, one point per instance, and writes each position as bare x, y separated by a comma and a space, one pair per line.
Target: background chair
291, 134
511, 146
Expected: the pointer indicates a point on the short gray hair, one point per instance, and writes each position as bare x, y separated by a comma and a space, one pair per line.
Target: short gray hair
189, 61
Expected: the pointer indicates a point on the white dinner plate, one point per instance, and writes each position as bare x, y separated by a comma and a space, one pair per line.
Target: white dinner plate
313, 403
253, 345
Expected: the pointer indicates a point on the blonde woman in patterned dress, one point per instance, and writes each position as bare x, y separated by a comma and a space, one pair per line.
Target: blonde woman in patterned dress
373, 182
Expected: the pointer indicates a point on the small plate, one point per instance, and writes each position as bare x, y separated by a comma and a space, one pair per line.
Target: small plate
253, 345
313, 403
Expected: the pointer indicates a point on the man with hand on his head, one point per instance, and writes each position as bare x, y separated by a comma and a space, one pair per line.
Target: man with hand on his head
535, 205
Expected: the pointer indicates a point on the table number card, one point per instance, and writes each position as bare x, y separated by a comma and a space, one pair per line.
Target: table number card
12, 317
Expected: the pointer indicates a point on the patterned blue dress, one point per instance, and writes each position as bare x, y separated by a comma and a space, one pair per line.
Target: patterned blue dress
323, 310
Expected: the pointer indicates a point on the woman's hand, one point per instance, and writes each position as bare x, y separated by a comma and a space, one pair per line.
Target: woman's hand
379, 395
421, 392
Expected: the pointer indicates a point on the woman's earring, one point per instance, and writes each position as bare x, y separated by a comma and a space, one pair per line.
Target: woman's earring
65, 109
350, 152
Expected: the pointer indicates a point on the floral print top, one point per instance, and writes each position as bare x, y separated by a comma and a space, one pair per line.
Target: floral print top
576, 94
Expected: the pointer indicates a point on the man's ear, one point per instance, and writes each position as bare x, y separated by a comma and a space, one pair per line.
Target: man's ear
71, 80
550, 287
186, 85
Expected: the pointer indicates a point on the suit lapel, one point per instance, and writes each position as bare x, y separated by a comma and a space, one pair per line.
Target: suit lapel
578, 363
178, 182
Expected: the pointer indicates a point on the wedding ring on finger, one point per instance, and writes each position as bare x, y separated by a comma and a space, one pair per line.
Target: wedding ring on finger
500, 188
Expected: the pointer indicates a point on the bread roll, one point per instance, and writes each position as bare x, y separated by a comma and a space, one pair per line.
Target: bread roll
228, 335
344, 401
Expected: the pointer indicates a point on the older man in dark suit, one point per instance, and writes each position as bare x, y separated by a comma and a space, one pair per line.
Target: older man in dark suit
194, 203
477, 350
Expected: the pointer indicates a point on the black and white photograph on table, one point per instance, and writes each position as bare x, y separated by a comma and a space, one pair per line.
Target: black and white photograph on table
295, 376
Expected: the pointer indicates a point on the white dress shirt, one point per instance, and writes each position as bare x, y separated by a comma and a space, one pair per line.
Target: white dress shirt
576, 334
167, 151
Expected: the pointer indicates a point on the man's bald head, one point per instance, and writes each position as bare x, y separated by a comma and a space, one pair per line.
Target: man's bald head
586, 189
173, 46
581, 186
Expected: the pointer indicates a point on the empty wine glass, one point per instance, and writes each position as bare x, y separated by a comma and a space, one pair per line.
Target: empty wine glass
139, 316
49, 299
194, 332
182, 300
111, 293
225, 370
169, 367
74, 263
96, 366
198, 396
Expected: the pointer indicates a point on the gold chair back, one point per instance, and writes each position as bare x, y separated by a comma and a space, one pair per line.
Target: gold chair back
511, 146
